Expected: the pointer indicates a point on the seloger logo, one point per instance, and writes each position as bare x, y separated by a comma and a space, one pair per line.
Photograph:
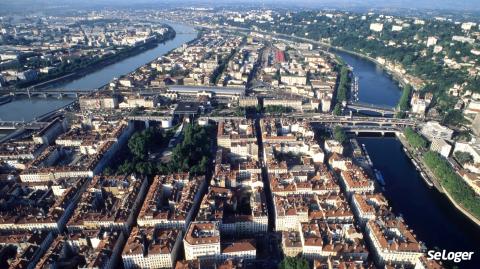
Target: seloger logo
449, 256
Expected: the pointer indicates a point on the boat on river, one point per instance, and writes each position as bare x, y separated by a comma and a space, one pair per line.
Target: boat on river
379, 177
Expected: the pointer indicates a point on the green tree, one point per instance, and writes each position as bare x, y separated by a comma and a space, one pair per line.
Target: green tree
294, 263
343, 84
144, 168
414, 139
339, 134
453, 183
192, 154
126, 167
108, 171
404, 102
400, 115
337, 110
454, 117
463, 157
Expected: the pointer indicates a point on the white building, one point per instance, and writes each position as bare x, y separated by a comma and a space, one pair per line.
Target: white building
152, 248
432, 41
239, 250
377, 27
433, 129
397, 28
202, 241
333, 146
391, 241
441, 146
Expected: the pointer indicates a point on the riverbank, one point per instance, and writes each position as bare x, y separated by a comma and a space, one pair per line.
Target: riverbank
25, 109
436, 182
396, 76
102, 62
436, 223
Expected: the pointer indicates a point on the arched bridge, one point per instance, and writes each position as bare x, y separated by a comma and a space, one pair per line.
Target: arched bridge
49, 93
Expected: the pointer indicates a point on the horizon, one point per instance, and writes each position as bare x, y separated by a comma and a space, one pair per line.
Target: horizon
423, 5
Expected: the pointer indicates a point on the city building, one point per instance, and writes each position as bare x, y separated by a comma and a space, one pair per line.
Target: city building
441, 146
433, 129
152, 248
202, 240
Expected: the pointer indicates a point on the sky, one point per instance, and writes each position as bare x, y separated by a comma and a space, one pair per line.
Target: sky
467, 5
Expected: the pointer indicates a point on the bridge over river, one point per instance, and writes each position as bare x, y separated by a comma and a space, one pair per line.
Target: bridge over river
59, 93
366, 107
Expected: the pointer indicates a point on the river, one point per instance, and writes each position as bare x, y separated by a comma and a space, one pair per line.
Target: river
27, 109
429, 213
432, 217
375, 86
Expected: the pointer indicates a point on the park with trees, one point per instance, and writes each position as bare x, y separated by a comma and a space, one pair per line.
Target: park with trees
191, 155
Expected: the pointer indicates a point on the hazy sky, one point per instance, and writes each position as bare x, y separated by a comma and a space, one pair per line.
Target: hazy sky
468, 5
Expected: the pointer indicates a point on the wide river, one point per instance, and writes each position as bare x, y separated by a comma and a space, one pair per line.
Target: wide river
429, 213
27, 109
433, 219
375, 86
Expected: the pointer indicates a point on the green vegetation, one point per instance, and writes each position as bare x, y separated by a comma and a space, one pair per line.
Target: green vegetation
87, 61
463, 157
222, 64
243, 111
343, 84
138, 150
140, 142
409, 51
414, 139
278, 109
464, 136
337, 110
404, 102
400, 115
192, 154
294, 263
277, 76
454, 117
453, 183
339, 134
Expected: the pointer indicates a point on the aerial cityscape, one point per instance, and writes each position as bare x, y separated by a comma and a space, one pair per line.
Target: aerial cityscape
240, 134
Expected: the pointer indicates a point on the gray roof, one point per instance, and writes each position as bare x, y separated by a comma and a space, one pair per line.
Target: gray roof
214, 89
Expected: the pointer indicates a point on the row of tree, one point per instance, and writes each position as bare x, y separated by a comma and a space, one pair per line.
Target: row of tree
222, 64
453, 183
414, 139
277, 109
343, 84
404, 102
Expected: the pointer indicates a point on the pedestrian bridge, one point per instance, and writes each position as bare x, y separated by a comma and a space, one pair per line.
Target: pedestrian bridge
13, 125
59, 93
366, 107
372, 129
359, 121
